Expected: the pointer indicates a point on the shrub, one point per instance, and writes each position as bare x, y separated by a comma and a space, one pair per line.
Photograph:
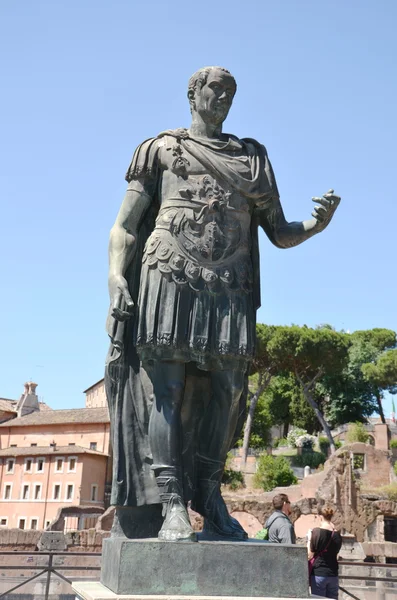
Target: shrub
357, 433
395, 468
388, 491
273, 471
234, 479
294, 434
338, 444
305, 441
393, 443
324, 444
280, 442
309, 459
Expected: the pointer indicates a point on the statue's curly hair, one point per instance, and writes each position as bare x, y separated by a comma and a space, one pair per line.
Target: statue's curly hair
199, 78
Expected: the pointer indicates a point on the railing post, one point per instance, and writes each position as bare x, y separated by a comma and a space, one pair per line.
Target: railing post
47, 585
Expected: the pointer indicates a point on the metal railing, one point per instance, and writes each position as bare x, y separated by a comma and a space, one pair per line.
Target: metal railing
51, 568
48, 569
377, 581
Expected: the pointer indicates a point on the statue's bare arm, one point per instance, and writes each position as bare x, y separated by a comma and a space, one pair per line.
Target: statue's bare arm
122, 245
286, 235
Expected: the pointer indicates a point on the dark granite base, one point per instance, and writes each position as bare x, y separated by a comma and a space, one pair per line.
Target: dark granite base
205, 568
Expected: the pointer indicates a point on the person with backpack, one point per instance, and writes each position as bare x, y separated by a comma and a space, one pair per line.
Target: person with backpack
278, 528
324, 544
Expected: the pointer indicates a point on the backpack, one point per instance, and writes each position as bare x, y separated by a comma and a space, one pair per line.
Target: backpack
263, 534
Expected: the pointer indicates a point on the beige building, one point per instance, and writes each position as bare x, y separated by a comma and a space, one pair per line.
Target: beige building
50, 459
95, 396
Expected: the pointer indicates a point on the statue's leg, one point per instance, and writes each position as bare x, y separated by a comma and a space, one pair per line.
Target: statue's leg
165, 435
216, 434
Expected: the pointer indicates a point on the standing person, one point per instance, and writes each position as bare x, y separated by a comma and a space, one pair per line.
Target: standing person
324, 544
279, 526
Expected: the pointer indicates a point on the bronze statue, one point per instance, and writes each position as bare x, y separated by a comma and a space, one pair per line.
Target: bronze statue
184, 289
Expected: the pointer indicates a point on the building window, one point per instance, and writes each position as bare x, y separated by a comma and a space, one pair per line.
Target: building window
47, 524
3, 522
34, 523
10, 465
94, 492
13, 445
28, 464
93, 445
72, 444
59, 465
7, 491
33, 445
69, 491
22, 523
72, 464
40, 465
25, 492
37, 491
57, 491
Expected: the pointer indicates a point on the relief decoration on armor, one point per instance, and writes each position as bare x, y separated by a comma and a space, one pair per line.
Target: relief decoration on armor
200, 242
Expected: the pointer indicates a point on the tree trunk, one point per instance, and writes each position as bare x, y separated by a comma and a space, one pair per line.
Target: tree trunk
380, 407
263, 382
306, 392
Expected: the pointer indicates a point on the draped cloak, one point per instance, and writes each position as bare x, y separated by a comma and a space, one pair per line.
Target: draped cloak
244, 165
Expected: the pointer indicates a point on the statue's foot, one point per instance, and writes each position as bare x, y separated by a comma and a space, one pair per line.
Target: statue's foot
176, 526
228, 528
217, 520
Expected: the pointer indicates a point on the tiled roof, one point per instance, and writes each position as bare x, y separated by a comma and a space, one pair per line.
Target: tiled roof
59, 417
7, 405
45, 450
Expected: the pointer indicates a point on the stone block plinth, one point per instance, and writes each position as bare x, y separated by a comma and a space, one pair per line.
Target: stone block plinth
205, 568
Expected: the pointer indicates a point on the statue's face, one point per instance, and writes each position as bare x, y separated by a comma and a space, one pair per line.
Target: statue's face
214, 99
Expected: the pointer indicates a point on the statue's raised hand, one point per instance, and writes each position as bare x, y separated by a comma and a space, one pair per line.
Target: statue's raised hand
120, 298
323, 213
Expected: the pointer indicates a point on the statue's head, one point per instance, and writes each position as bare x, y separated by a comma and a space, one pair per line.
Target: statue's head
211, 91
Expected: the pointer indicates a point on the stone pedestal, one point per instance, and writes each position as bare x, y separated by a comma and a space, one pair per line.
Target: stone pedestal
206, 568
93, 590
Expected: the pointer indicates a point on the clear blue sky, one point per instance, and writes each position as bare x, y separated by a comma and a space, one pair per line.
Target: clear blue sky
84, 82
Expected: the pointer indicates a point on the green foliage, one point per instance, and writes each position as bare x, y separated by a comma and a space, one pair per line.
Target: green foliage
393, 443
354, 395
358, 461
338, 444
262, 423
278, 396
388, 491
273, 471
324, 445
309, 459
304, 351
279, 442
234, 479
383, 372
282, 443
301, 413
395, 468
357, 433
352, 372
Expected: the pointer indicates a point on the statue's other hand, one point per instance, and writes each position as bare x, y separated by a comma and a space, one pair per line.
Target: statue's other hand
323, 214
120, 298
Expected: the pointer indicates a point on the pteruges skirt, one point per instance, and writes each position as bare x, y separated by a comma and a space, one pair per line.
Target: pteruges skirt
176, 322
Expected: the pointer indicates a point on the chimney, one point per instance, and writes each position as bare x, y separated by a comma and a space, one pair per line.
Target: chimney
29, 401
